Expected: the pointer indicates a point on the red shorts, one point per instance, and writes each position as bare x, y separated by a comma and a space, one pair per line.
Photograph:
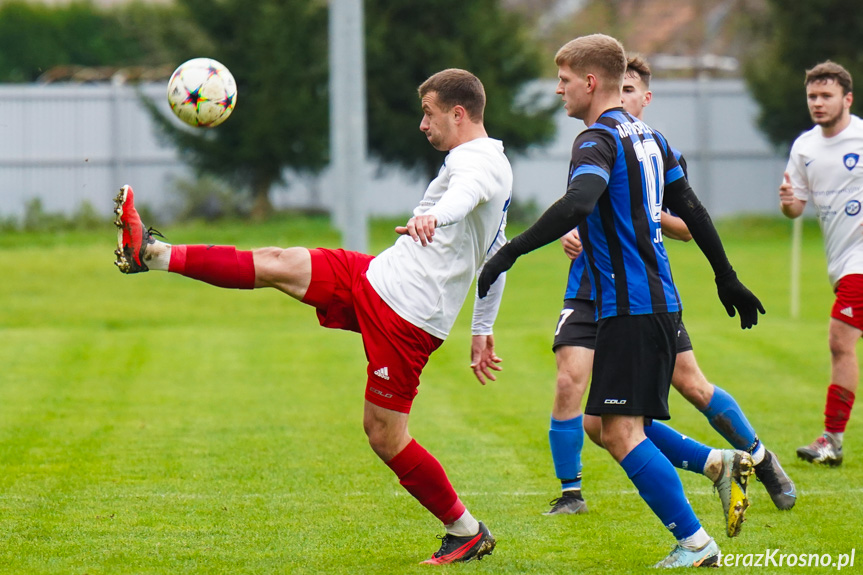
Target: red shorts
848, 306
396, 350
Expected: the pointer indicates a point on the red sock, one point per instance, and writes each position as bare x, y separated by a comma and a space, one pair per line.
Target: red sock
222, 266
838, 409
424, 478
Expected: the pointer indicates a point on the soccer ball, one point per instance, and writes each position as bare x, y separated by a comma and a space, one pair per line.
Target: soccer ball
202, 92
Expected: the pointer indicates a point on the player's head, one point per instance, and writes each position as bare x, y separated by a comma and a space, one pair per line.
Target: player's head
828, 93
636, 93
589, 66
452, 100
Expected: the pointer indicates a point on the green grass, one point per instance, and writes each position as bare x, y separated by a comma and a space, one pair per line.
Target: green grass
153, 424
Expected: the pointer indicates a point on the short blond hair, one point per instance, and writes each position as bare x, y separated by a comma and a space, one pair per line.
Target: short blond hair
597, 54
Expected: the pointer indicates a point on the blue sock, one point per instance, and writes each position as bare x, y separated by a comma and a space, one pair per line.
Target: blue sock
727, 418
683, 452
660, 487
566, 439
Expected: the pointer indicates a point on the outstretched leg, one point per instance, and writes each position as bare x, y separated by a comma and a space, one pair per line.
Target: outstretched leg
288, 270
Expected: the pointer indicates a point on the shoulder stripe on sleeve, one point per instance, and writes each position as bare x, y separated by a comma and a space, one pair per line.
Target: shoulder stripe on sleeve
674, 174
590, 170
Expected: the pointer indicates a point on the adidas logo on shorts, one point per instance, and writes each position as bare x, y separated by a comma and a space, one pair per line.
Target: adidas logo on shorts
848, 311
383, 373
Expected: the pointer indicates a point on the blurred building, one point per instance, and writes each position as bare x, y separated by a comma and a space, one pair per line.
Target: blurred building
83, 133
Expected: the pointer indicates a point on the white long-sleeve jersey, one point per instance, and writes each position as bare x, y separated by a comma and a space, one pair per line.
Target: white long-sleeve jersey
427, 285
829, 172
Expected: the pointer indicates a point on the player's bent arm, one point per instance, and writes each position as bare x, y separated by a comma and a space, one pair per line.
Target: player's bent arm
468, 187
421, 228
454, 206
674, 228
792, 207
790, 204
572, 245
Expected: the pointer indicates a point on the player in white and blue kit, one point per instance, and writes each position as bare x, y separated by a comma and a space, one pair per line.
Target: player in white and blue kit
826, 167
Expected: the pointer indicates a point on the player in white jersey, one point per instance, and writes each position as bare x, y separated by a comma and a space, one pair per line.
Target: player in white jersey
403, 302
825, 168
427, 284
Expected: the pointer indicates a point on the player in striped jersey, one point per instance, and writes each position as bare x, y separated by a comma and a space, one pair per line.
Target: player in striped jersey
573, 347
622, 174
825, 167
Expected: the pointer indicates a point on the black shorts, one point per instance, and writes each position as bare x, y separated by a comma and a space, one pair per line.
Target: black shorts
576, 327
633, 364
683, 341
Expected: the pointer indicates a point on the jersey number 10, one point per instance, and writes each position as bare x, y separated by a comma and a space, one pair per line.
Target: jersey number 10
653, 172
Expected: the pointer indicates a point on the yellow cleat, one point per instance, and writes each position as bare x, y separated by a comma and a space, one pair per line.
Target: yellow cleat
733, 480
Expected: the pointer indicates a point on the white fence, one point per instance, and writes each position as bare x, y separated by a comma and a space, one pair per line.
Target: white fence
67, 144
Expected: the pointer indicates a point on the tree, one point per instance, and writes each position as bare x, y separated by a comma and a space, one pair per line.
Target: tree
35, 38
406, 42
800, 35
277, 52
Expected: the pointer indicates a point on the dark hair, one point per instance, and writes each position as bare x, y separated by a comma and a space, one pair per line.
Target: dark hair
829, 70
636, 64
455, 87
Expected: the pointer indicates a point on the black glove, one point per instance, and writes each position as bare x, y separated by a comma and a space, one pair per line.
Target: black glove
735, 295
499, 263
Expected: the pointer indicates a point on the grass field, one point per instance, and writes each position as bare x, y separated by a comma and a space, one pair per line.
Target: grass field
153, 424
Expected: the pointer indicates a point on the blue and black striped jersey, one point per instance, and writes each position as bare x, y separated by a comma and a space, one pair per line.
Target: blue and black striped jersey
626, 263
578, 283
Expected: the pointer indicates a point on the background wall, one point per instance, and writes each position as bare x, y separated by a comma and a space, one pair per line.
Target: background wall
67, 144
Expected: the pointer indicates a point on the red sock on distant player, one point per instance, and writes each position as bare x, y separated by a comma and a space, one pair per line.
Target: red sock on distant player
222, 266
424, 477
838, 409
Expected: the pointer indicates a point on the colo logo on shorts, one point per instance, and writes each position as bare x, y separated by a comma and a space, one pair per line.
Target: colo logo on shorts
852, 208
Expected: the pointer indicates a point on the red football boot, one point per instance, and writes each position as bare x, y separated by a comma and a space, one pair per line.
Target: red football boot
132, 237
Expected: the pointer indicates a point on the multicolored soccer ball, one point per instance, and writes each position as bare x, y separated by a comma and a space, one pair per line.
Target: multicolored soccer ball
202, 92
